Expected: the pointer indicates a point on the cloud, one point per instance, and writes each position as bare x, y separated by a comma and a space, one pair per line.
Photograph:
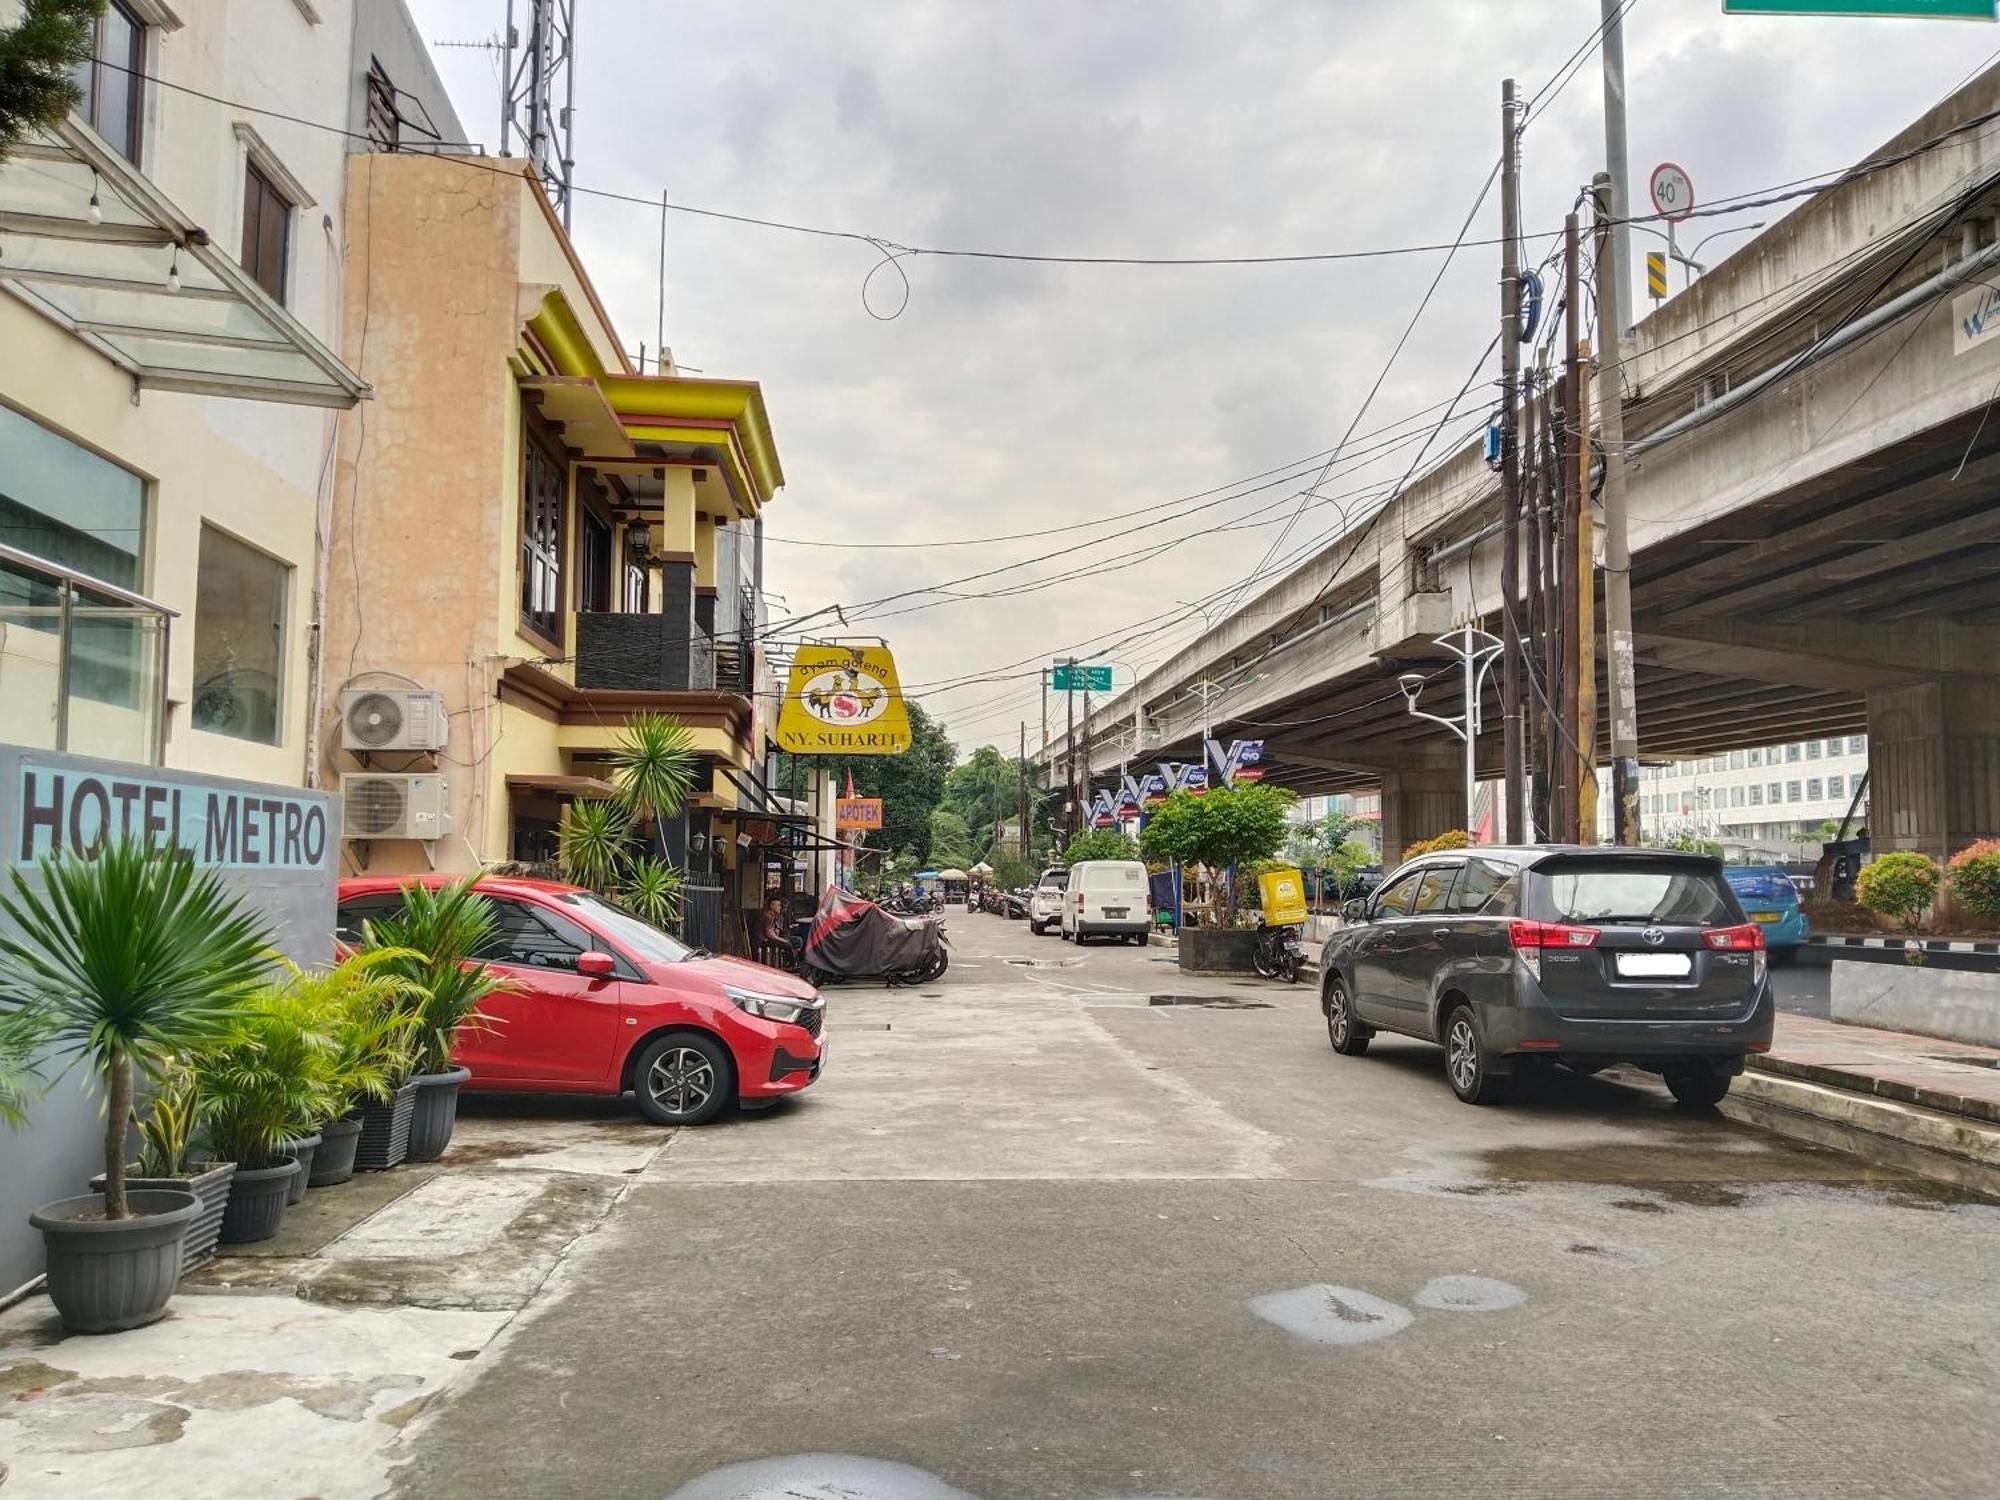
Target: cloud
1014, 397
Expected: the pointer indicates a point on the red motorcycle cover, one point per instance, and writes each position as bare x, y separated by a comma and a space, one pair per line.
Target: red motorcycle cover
854, 938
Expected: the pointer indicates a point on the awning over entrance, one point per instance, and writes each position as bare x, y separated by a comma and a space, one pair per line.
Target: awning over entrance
143, 284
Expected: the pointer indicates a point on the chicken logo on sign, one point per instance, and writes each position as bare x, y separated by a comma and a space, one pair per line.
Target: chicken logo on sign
843, 700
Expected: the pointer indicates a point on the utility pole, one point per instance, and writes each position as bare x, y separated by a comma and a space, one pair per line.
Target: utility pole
1069, 702
1023, 844
1613, 50
1510, 482
1617, 554
1534, 770
1574, 497
1585, 624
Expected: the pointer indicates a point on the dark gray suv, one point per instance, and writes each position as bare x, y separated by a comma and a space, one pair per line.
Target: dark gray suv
1586, 956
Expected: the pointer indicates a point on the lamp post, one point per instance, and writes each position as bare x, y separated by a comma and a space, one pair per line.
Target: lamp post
1476, 650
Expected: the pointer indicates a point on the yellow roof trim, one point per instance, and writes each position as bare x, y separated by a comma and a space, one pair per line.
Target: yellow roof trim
740, 403
556, 328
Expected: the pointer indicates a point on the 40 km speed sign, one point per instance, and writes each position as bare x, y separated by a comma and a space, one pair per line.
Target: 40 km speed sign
1673, 191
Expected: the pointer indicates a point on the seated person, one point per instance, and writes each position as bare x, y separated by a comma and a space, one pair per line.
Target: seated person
777, 927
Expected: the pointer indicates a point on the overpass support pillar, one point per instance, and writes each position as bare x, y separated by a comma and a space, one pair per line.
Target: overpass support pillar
1416, 805
1933, 764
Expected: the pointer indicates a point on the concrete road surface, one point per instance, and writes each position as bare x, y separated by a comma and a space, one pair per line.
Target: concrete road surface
1070, 1226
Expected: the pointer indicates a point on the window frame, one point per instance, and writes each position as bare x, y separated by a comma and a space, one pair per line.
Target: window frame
265, 195
540, 561
1395, 883
1447, 873
596, 562
281, 676
134, 125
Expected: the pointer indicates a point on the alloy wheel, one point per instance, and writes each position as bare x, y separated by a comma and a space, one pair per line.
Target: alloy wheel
1338, 1021
681, 1080
1462, 1055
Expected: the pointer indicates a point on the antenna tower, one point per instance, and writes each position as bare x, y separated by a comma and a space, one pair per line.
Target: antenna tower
535, 65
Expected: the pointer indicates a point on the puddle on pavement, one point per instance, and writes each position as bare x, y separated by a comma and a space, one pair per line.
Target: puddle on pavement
1043, 963
1468, 1294
1209, 1002
1722, 1175
819, 1476
1337, 1315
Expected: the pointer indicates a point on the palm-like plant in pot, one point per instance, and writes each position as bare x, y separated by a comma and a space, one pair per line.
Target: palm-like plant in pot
368, 1013
267, 1081
436, 941
169, 1127
120, 963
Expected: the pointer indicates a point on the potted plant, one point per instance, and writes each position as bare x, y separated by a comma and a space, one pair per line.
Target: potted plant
266, 1080
366, 1015
167, 1159
122, 962
433, 942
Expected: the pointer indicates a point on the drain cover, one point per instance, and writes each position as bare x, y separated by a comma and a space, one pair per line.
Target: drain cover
1209, 1002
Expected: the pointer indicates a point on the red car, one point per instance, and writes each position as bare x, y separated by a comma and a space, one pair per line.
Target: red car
602, 1003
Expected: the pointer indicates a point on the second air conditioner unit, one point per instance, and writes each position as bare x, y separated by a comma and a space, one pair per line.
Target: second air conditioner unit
376, 806
393, 719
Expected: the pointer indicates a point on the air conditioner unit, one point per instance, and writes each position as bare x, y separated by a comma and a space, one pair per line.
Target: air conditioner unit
393, 719
385, 806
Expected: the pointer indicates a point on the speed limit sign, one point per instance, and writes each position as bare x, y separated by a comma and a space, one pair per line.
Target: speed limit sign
1673, 191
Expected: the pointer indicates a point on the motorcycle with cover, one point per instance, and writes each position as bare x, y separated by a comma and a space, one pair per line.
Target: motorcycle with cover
853, 938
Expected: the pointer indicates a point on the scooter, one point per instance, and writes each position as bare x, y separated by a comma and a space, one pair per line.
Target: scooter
1279, 954
852, 938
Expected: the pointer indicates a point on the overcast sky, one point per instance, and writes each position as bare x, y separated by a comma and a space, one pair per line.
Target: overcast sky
1010, 398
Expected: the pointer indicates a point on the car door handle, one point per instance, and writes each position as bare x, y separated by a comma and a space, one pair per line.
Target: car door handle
1440, 932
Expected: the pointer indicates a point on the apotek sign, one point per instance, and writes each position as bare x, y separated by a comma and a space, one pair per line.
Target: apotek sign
853, 814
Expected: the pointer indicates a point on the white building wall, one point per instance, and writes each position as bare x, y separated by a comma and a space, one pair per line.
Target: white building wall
1749, 799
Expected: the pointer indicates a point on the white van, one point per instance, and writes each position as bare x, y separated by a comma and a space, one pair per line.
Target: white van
1106, 898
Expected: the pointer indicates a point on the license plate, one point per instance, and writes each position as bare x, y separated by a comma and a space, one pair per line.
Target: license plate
1117, 911
1654, 965
1763, 916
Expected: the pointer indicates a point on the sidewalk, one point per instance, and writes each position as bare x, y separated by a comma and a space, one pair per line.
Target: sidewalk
1954, 1077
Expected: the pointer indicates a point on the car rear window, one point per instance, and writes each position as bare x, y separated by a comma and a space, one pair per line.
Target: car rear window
1055, 880
1635, 891
1762, 887
1118, 877
356, 910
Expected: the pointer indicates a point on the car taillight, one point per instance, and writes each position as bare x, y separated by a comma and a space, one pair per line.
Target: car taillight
1749, 938
1530, 938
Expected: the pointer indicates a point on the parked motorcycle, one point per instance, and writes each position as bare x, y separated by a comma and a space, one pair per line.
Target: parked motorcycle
1279, 954
853, 938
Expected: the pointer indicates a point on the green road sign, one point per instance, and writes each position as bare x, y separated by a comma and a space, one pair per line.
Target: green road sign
1081, 679
1951, 10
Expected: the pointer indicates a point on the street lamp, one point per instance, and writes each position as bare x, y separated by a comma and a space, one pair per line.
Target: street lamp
1691, 263
1477, 650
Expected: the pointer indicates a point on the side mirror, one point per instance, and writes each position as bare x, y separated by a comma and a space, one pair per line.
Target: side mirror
595, 965
1354, 911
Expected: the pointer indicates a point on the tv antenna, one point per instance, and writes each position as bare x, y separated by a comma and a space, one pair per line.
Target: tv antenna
532, 68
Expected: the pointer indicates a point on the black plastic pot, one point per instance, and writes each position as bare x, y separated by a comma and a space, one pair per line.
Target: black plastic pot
257, 1201
385, 1131
105, 1275
333, 1162
210, 1184
303, 1149
436, 1112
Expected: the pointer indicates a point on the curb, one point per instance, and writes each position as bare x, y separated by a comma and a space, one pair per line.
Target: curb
1847, 1081
1946, 1148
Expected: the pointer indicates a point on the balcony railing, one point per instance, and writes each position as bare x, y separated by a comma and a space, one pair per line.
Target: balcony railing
83, 663
642, 653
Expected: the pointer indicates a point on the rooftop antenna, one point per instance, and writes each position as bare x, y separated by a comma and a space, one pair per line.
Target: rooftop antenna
534, 66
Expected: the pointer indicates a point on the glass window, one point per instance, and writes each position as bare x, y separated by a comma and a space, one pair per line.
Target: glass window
1777, 792
1756, 757
543, 483
1793, 752
1736, 760
1434, 890
1836, 786
1812, 749
66, 505
1629, 891
368, 908
1736, 796
267, 232
239, 639
1393, 900
1791, 791
1856, 744
521, 936
1814, 790
594, 547
1756, 795
1485, 887
640, 937
111, 82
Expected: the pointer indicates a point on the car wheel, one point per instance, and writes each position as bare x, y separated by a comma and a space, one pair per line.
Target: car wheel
1348, 1035
1035, 928
1465, 1059
684, 1079
1696, 1085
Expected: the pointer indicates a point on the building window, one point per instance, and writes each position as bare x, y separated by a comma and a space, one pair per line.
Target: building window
239, 639
1736, 760
1756, 795
1791, 791
1736, 796
1836, 786
1793, 752
267, 231
1856, 744
1756, 757
1812, 749
111, 83
593, 586
1814, 790
542, 487
1777, 793
66, 505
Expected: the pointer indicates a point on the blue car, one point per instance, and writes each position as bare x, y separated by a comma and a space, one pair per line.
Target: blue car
1771, 901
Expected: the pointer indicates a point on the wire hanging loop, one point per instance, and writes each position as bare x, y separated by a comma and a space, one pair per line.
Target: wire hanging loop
892, 255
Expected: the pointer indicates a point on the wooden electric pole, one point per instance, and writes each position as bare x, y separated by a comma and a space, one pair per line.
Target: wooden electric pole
1510, 482
1619, 672
1574, 495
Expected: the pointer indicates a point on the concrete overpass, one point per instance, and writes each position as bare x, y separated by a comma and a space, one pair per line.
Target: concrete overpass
1814, 517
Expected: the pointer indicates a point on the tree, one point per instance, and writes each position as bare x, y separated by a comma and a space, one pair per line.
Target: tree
1218, 829
949, 839
1104, 843
38, 55
653, 766
986, 789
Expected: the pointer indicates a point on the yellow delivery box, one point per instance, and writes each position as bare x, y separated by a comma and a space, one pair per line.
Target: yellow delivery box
1283, 893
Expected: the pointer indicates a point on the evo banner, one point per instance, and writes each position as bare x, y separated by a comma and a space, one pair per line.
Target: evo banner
1242, 761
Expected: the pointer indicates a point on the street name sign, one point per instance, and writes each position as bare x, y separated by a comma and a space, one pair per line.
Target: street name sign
1076, 678
1945, 10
